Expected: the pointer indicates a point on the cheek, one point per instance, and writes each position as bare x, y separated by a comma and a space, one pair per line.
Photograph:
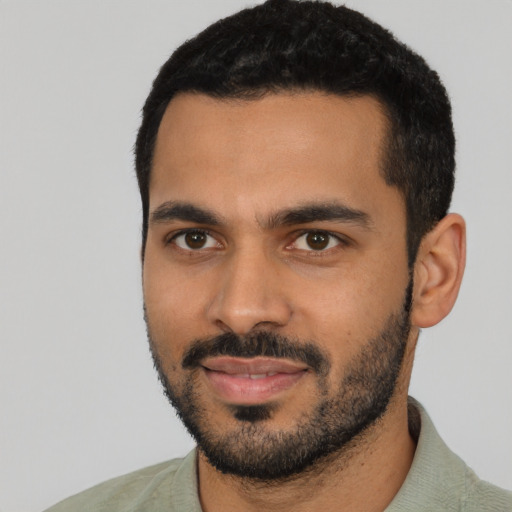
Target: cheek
350, 308
176, 303
167, 291
167, 302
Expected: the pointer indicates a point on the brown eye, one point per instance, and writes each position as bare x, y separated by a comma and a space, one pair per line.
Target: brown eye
195, 240
317, 241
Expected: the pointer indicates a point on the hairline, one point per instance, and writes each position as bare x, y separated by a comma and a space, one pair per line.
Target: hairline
255, 94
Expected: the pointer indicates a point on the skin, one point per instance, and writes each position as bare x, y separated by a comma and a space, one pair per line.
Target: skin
247, 162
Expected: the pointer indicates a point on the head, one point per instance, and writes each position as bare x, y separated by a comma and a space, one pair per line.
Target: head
295, 164
285, 45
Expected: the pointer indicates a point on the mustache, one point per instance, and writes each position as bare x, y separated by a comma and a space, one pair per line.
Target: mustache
258, 344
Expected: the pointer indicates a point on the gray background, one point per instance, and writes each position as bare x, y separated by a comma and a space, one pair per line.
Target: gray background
79, 398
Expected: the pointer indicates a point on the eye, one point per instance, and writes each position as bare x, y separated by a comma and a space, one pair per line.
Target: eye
194, 240
316, 241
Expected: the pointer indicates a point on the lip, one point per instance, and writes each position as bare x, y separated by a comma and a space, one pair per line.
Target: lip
251, 381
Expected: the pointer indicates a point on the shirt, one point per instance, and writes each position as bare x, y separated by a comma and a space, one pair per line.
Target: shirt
438, 480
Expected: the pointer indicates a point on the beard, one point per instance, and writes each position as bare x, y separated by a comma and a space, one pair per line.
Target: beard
255, 451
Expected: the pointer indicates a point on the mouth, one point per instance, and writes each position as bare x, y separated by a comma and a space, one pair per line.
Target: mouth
240, 381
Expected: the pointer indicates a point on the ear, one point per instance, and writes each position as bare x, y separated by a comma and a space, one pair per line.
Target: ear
438, 271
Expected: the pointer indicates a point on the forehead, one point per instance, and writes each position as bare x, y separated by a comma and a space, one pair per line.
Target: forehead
278, 150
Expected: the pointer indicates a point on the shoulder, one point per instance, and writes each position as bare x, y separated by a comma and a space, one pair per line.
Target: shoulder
439, 480
151, 488
481, 496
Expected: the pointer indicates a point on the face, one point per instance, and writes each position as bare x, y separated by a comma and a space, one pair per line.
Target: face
275, 276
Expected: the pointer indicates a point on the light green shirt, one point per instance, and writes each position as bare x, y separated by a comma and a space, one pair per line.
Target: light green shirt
437, 481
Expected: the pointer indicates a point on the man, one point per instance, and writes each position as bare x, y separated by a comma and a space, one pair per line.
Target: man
296, 164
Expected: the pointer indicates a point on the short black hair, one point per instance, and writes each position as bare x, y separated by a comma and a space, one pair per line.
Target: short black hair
290, 45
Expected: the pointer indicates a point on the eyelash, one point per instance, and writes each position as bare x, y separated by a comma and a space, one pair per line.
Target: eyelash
340, 241
172, 239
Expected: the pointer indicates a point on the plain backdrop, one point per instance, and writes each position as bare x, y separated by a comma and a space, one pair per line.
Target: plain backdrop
80, 401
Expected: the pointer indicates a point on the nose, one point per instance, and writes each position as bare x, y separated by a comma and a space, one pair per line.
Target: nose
250, 295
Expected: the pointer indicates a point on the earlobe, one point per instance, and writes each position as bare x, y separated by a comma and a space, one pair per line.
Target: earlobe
438, 271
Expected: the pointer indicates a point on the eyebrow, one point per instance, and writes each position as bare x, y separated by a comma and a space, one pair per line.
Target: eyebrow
304, 214
174, 210
315, 212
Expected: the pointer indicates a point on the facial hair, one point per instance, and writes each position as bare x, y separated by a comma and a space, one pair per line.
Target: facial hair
254, 450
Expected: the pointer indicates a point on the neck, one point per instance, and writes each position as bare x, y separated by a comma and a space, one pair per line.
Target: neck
365, 475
